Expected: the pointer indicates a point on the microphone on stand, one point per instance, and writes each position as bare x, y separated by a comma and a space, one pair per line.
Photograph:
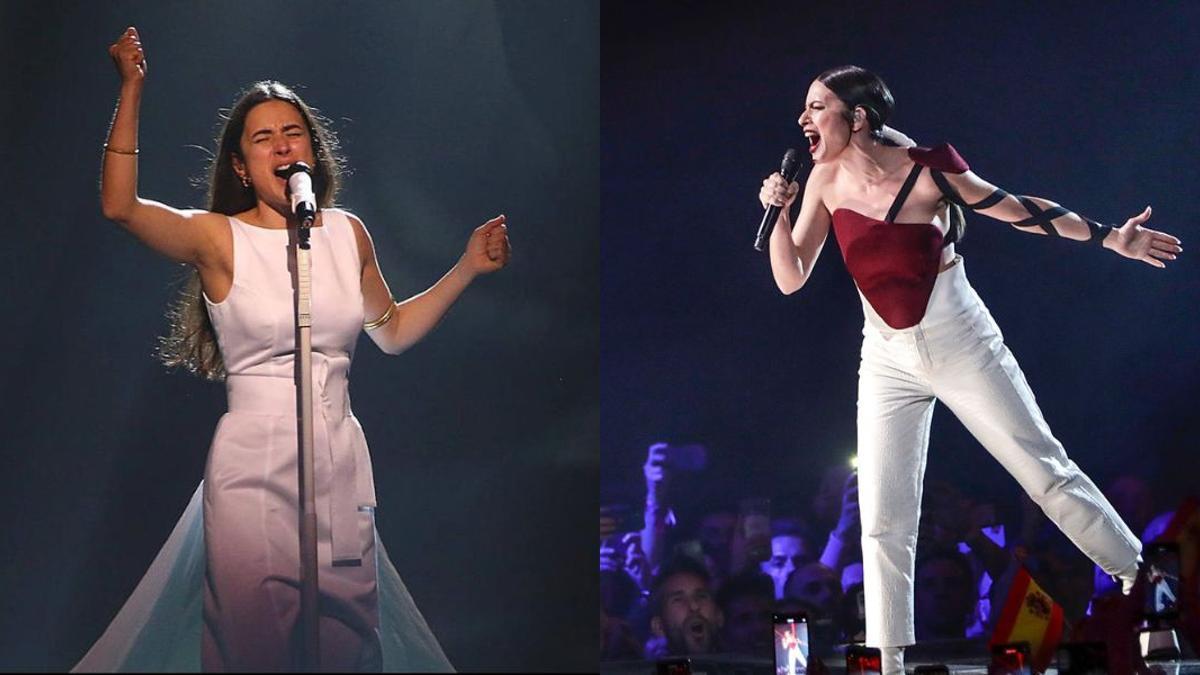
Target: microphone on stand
788, 169
304, 207
300, 188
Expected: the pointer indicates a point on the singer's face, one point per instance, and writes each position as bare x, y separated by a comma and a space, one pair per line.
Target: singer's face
275, 134
824, 123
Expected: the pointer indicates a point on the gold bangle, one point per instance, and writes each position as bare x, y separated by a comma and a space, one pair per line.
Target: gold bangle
120, 152
387, 316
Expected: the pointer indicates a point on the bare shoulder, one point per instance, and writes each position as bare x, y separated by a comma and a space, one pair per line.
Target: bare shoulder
822, 172
208, 221
366, 248
821, 175
204, 219
820, 180
216, 235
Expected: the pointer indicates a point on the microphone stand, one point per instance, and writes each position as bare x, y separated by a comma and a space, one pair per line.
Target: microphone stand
309, 618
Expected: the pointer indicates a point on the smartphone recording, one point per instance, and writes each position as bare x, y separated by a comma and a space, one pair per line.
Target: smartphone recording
791, 643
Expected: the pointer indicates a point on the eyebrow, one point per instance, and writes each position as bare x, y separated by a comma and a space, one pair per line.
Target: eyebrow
287, 127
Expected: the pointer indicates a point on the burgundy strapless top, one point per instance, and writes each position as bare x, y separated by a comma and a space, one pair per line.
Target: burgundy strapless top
896, 264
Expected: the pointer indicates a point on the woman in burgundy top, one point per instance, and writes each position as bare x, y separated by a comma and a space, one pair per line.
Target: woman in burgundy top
927, 336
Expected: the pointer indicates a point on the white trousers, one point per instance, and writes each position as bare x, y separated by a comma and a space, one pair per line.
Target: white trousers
956, 354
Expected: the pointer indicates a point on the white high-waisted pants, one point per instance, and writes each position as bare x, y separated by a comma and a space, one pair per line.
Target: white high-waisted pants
956, 354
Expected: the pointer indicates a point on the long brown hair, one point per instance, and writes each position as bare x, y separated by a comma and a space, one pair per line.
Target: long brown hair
191, 343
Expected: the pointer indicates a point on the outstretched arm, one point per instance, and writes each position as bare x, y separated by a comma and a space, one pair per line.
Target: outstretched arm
394, 326
1042, 216
183, 236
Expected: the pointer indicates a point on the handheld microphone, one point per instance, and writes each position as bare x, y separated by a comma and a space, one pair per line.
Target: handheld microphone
788, 169
300, 188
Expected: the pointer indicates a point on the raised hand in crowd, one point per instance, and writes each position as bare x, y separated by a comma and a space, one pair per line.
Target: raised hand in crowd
657, 515
751, 544
633, 560
994, 558
610, 558
844, 538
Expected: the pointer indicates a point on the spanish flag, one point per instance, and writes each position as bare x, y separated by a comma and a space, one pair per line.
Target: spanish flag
1030, 615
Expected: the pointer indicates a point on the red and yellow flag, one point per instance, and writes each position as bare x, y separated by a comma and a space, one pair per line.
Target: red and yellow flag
1030, 615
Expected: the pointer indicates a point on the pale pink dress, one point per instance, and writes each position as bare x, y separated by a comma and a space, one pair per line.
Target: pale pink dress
249, 519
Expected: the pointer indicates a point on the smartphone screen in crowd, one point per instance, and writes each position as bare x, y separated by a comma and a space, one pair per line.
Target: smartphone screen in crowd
863, 660
1161, 568
1011, 659
791, 643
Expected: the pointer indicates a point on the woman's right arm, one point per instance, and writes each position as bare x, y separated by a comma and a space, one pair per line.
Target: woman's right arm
183, 236
794, 249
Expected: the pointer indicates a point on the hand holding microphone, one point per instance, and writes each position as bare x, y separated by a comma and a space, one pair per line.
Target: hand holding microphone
778, 192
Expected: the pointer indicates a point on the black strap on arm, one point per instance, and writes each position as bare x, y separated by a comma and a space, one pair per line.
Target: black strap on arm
1037, 216
950, 193
955, 198
1099, 232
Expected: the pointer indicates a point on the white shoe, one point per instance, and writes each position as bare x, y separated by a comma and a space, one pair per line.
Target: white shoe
891, 660
1128, 576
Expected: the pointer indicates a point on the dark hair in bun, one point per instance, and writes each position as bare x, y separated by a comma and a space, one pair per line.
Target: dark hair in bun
859, 87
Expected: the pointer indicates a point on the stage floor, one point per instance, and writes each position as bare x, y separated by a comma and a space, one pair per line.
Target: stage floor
980, 668
726, 666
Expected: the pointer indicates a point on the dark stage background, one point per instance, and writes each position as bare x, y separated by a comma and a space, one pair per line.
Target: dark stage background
484, 436
1092, 105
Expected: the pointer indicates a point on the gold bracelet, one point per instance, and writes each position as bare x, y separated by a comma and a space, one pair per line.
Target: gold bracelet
387, 316
120, 152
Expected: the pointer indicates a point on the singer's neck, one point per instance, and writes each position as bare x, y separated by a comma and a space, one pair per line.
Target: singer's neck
872, 160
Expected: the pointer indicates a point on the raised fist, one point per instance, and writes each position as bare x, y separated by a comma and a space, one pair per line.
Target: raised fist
488, 249
128, 56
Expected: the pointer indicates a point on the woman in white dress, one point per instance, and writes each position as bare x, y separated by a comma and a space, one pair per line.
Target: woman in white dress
235, 322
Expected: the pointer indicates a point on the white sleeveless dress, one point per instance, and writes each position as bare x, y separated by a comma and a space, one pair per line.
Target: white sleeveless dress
223, 593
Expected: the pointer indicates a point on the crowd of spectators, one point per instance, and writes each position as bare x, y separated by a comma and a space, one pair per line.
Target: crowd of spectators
710, 586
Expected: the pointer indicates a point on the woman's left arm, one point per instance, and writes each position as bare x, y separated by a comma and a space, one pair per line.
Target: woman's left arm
1042, 216
396, 326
